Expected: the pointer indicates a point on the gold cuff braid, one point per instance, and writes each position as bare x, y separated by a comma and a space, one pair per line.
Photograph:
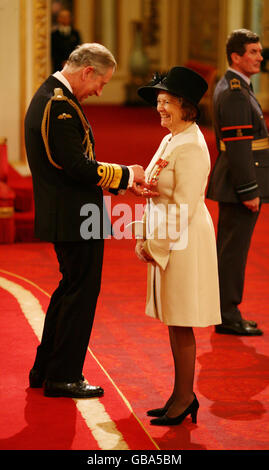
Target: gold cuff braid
258, 144
110, 174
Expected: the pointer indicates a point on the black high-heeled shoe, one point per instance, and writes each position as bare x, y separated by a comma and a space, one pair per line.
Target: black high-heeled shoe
161, 411
192, 410
157, 412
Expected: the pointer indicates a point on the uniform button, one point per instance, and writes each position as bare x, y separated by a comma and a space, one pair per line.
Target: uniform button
257, 164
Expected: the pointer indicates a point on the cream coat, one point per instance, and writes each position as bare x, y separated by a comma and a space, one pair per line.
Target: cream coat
178, 231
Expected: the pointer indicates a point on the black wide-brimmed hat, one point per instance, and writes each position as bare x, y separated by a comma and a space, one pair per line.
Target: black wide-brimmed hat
179, 81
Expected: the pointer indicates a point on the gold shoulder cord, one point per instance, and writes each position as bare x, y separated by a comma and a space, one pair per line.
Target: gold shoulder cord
59, 96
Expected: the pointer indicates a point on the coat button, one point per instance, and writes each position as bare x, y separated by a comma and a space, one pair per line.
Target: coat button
257, 164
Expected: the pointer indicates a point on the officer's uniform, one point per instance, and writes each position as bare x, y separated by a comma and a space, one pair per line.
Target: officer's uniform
241, 173
66, 176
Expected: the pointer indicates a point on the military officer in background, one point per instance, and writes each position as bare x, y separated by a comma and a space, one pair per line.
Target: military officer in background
66, 176
240, 178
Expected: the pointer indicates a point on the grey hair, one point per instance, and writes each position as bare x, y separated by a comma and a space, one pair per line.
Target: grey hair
92, 54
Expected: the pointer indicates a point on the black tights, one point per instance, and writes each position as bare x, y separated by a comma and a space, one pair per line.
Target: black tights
183, 346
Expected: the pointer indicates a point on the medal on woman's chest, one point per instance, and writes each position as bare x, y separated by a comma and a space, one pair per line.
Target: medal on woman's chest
159, 166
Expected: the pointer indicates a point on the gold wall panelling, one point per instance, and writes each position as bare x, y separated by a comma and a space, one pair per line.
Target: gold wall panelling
41, 26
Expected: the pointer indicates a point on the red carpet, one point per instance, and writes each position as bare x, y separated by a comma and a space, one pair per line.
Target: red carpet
129, 353
32, 421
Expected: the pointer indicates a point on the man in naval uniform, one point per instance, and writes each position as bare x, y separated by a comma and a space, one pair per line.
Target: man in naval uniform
240, 178
66, 177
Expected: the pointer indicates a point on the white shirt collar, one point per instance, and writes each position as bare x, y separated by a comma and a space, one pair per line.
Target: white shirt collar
64, 29
247, 79
62, 79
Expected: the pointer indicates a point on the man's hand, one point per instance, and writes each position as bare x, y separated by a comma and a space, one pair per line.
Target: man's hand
139, 174
253, 204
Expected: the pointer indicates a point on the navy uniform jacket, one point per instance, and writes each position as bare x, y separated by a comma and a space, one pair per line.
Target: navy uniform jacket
66, 175
241, 171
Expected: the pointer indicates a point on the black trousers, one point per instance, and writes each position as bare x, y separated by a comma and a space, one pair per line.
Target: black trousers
70, 314
235, 228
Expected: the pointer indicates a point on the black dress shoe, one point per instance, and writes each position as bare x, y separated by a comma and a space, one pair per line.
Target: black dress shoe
80, 389
35, 379
241, 328
192, 410
252, 323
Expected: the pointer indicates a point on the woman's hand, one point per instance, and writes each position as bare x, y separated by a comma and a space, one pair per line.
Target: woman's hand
253, 205
146, 190
142, 254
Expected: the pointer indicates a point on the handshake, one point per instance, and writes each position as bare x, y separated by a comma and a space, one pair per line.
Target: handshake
140, 187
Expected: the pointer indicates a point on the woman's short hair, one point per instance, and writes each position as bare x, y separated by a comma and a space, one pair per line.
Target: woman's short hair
92, 54
189, 111
237, 41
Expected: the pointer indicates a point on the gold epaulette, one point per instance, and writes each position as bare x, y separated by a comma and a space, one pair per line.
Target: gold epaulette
59, 96
110, 174
235, 84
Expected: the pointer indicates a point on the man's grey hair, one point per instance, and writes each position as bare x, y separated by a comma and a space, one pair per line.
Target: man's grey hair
92, 54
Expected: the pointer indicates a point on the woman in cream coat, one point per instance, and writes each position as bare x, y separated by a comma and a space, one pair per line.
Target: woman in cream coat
178, 235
